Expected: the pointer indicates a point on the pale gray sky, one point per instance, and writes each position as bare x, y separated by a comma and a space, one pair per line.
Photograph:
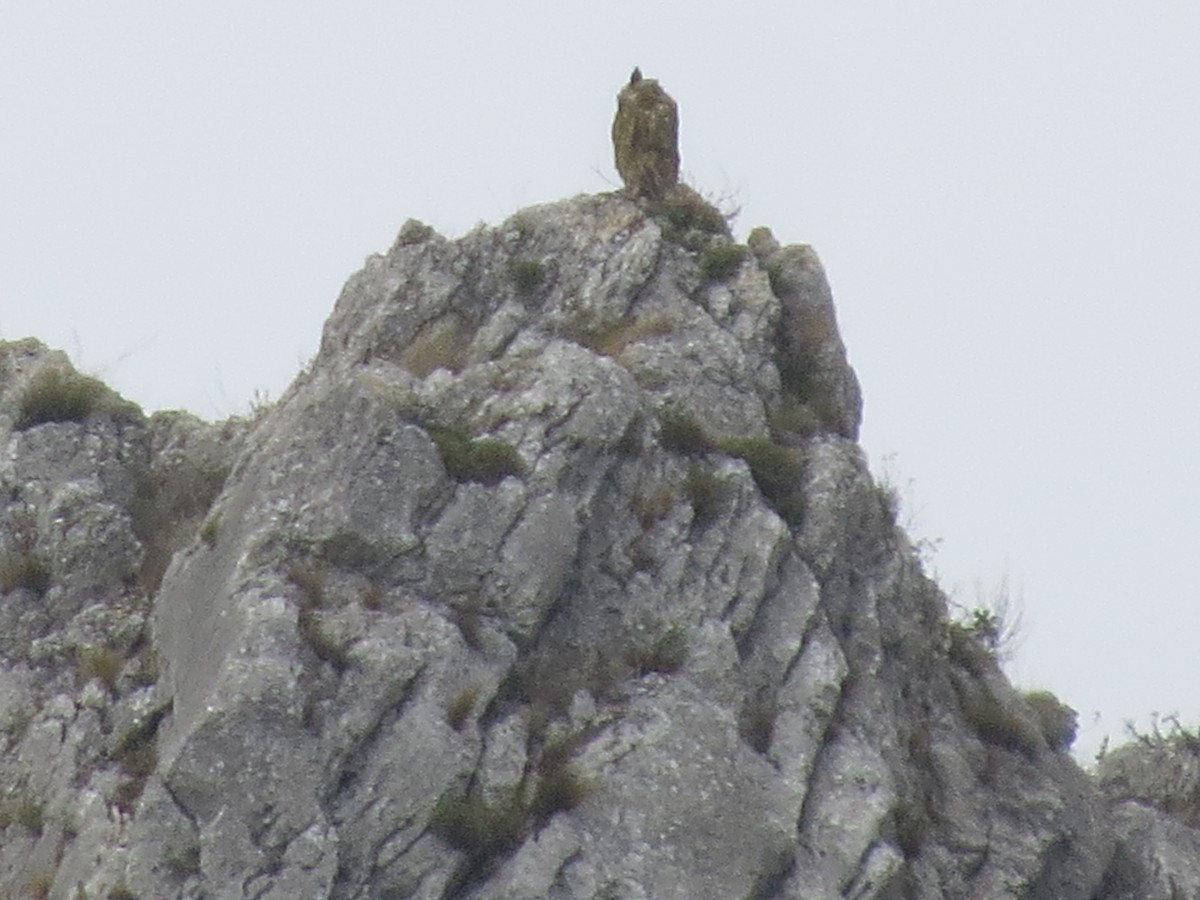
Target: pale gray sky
1005, 196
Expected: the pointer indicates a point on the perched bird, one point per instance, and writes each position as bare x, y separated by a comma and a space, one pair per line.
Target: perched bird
645, 133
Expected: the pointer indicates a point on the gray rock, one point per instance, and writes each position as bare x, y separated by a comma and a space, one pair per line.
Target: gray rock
557, 574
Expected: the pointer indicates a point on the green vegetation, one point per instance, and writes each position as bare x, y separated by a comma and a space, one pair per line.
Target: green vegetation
19, 807
987, 632
782, 283
778, 471
689, 219
101, 663
667, 654
57, 393
997, 722
795, 417
210, 530
719, 262
440, 345
184, 861
492, 824
480, 827
482, 460
680, 432
610, 338
27, 570
167, 507
526, 275
137, 755
705, 490
1057, 721
309, 578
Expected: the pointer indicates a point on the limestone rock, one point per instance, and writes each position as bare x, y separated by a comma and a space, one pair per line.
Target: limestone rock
534, 584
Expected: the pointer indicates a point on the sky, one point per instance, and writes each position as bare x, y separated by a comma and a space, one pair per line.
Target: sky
1006, 199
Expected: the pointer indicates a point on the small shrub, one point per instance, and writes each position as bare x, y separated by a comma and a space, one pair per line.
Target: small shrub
102, 663
680, 432
480, 828
1058, 721
184, 861
612, 338
26, 570
996, 722
210, 530
993, 626
795, 417
719, 262
147, 671
167, 506
482, 460
20, 808
778, 471
560, 788
58, 394
526, 275
705, 490
460, 706
666, 655
438, 346
689, 218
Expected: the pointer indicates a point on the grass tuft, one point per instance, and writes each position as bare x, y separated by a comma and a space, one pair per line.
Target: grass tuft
526, 275
59, 394
680, 432
705, 489
26, 570
101, 663
482, 460
777, 470
720, 262
666, 655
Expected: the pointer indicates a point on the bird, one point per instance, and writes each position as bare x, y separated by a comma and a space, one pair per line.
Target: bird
645, 133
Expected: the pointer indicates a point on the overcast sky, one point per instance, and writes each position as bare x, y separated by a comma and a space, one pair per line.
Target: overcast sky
1006, 198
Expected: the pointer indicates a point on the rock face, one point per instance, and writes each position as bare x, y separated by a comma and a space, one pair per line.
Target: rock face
557, 574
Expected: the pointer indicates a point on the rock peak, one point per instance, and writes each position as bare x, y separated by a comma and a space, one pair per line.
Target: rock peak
559, 573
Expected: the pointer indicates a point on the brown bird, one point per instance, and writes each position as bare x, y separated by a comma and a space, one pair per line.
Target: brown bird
645, 133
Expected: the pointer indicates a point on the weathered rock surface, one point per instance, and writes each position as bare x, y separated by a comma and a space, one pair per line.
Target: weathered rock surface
557, 574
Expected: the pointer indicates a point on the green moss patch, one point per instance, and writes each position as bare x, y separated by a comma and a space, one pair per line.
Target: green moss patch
484, 460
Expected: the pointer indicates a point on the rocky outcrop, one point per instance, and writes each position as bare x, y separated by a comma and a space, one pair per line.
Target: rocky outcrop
557, 574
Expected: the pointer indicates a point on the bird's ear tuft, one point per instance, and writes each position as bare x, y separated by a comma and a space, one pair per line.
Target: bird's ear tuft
636, 76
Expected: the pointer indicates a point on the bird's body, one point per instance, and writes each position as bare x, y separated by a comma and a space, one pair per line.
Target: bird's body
645, 135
